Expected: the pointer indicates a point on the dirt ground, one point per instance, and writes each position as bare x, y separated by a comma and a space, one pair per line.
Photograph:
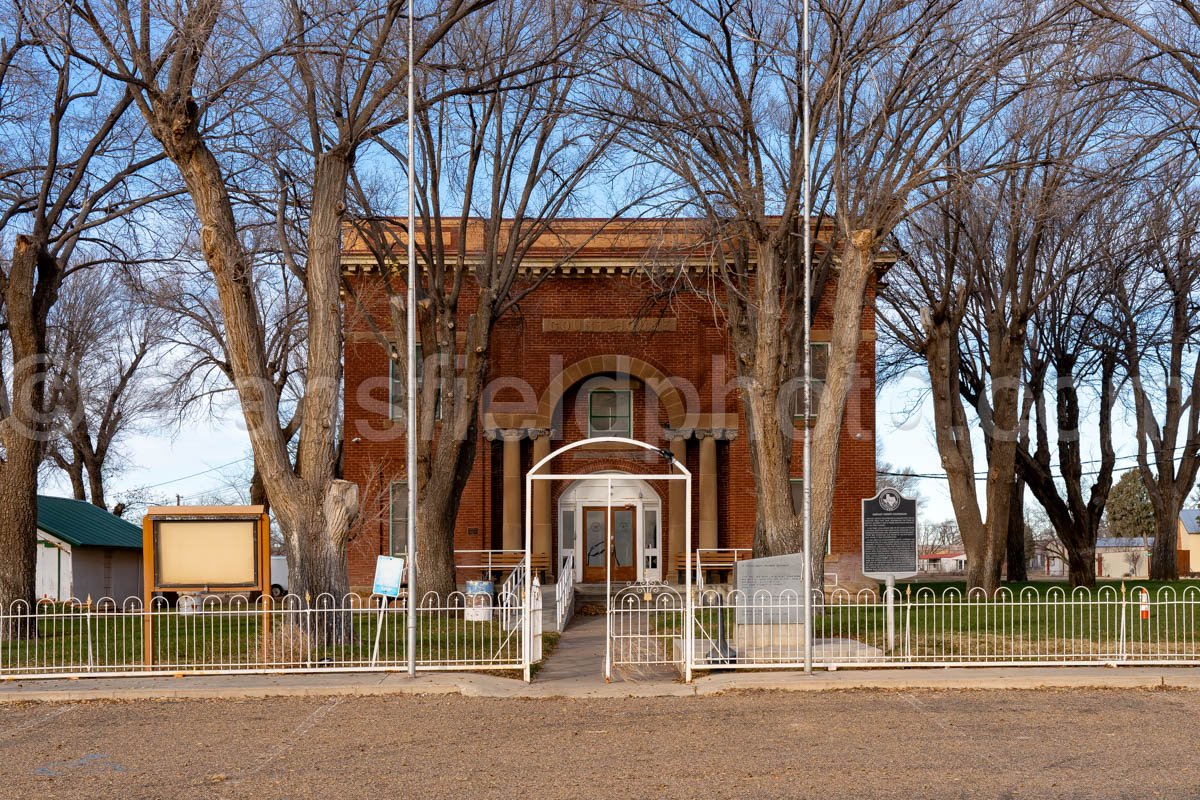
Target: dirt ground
861, 744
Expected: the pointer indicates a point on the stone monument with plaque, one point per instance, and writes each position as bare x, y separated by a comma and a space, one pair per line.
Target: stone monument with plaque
769, 609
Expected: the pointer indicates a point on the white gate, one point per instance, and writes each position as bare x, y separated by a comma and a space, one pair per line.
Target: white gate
647, 626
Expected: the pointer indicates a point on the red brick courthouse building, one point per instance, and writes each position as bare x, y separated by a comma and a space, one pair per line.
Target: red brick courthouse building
594, 350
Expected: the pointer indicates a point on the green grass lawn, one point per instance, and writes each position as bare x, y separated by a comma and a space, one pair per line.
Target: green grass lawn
1038, 620
239, 639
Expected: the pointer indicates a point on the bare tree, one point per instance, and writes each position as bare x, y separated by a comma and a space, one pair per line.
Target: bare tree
102, 345
71, 157
1157, 326
324, 79
1169, 31
497, 166
717, 104
1071, 361
938, 537
984, 259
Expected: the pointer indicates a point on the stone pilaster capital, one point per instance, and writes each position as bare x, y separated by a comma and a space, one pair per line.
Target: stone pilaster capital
717, 434
515, 434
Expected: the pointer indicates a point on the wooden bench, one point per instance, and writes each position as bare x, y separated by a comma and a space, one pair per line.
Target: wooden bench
716, 563
497, 565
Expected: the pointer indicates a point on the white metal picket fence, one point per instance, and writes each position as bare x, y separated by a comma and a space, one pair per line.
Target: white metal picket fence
717, 630
650, 624
233, 635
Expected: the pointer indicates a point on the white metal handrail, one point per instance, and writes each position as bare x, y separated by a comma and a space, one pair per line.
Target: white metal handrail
564, 592
513, 589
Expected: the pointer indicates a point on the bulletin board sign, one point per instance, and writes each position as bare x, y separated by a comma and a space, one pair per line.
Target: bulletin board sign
206, 549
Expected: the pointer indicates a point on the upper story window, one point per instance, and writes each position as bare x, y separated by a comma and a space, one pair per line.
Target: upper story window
398, 381
610, 413
820, 369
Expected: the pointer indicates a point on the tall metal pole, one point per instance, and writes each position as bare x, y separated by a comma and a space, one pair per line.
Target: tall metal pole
608, 631
410, 415
806, 149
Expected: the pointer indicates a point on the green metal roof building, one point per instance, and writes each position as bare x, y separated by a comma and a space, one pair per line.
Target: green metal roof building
84, 551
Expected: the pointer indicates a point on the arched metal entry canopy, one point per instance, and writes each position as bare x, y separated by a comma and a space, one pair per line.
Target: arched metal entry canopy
680, 473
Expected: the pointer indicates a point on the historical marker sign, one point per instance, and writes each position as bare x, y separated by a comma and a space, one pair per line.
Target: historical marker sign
889, 535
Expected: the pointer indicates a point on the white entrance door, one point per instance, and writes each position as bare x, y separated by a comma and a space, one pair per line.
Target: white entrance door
636, 513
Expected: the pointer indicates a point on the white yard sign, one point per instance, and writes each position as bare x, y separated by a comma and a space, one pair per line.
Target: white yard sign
389, 572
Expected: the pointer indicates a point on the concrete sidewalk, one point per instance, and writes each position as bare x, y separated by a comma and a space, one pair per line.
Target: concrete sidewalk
235, 687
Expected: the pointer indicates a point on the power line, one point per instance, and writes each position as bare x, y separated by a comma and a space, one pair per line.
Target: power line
196, 474
980, 476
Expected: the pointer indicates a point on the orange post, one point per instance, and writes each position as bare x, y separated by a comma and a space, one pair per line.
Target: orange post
147, 590
264, 544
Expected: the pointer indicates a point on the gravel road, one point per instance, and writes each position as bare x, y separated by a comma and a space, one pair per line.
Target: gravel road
860, 744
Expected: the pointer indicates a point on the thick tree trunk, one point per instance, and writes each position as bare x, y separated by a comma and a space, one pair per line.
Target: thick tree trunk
1164, 565
445, 461
953, 436
999, 420
1017, 565
315, 536
96, 485
312, 507
760, 362
778, 530
436, 513
1081, 565
29, 292
74, 472
18, 522
845, 335
322, 513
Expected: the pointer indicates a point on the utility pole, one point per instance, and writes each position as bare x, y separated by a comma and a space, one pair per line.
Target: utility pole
806, 150
410, 417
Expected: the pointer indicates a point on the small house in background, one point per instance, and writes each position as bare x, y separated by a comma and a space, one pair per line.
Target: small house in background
84, 551
1188, 545
943, 563
1047, 558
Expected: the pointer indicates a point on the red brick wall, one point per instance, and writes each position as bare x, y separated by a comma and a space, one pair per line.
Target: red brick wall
694, 354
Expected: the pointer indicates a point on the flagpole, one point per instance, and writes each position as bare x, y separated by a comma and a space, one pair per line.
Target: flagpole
806, 149
410, 416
